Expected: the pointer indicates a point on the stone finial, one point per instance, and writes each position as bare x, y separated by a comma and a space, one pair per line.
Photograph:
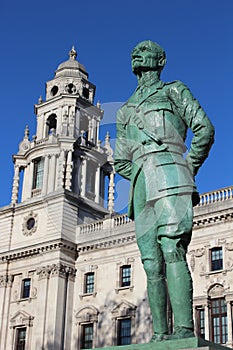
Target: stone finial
40, 100
73, 54
108, 148
98, 104
26, 133
107, 138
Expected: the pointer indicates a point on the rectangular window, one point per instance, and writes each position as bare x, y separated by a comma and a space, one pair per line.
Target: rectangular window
216, 259
201, 322
219, 321
20, 338
125, 275
38, 173
124, 331
87, 336
89, 284
26, 285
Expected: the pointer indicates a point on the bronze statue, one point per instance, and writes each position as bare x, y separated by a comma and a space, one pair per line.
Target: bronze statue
150, 147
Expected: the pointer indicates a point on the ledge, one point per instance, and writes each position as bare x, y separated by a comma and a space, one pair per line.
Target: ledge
188, 344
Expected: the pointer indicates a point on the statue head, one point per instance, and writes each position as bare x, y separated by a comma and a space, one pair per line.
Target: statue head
147, 56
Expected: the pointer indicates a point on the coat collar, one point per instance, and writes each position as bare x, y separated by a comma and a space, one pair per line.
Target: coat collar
136, 100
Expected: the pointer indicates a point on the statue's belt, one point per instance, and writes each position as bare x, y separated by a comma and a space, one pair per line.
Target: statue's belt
155, 148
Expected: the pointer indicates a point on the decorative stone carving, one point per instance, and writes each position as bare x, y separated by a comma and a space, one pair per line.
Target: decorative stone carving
6, 280
229, 246
34, 292
43, 272
216, 290
192, 262
195, 254
56, 270
124, 309
199, 252
87, 314
30, 224
21, 318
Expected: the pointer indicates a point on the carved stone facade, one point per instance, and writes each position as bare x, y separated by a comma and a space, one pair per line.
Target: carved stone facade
68, 265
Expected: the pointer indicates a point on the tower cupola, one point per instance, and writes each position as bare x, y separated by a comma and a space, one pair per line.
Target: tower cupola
66, 153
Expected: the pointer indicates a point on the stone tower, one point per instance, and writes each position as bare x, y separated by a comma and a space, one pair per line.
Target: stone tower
60, 176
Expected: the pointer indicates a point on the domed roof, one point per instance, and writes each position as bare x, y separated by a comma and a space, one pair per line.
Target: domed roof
71, 66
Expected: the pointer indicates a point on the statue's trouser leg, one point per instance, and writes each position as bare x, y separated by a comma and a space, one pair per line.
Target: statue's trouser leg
174, 238
180, 291
153, 264
156, 286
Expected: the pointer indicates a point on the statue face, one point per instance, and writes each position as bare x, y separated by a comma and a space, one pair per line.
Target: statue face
145, 56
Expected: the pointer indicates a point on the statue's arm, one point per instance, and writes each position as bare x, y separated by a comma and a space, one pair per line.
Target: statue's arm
122, 157
196, 119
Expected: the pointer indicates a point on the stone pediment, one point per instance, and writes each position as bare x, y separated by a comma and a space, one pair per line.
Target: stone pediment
125, 308
87, 313
21, 318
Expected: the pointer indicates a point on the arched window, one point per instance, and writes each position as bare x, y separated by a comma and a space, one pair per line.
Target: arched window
87, 318
218, 314
51, 123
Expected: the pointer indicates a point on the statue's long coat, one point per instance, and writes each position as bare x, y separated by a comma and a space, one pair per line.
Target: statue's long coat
151, 132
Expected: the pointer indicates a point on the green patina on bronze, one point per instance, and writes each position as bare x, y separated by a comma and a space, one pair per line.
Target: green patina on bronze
151, 132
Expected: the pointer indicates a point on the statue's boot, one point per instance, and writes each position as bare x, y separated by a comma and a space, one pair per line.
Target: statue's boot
180, 289
157, 295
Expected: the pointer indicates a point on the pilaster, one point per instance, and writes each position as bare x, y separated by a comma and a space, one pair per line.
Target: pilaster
5, 292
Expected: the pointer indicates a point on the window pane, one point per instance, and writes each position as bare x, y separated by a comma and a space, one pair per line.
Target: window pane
87, 336
124, 332
26, 284
89, 282
38, 173
216, 259
219, 321
125, 276
20, 338
201, 323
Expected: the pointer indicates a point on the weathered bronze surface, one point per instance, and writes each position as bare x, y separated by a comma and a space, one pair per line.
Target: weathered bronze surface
150, 147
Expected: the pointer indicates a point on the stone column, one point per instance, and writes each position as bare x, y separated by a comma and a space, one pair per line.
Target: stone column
15, 187
30, 179
207, 322
89, 129
97, 184
69, 307
83, 177
61, 170
42, 304
52, 172
56, 306
45, 176
69, 165
229, 322
5, 290
25, 183
45, 131
111, 192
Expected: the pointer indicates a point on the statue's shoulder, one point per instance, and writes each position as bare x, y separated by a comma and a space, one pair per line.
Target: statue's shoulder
174, 85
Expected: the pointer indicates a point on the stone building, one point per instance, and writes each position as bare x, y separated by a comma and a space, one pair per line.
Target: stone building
70, 270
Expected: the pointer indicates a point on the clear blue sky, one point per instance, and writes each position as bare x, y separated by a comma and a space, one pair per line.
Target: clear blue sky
197, 36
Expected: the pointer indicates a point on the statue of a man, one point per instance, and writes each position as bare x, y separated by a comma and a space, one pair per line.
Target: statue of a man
150, 147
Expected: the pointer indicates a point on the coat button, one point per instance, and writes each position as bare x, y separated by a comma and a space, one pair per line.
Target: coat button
144, 158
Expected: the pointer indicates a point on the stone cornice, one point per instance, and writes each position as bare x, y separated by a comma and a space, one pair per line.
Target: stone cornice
106, 244
215, 218
30, 251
